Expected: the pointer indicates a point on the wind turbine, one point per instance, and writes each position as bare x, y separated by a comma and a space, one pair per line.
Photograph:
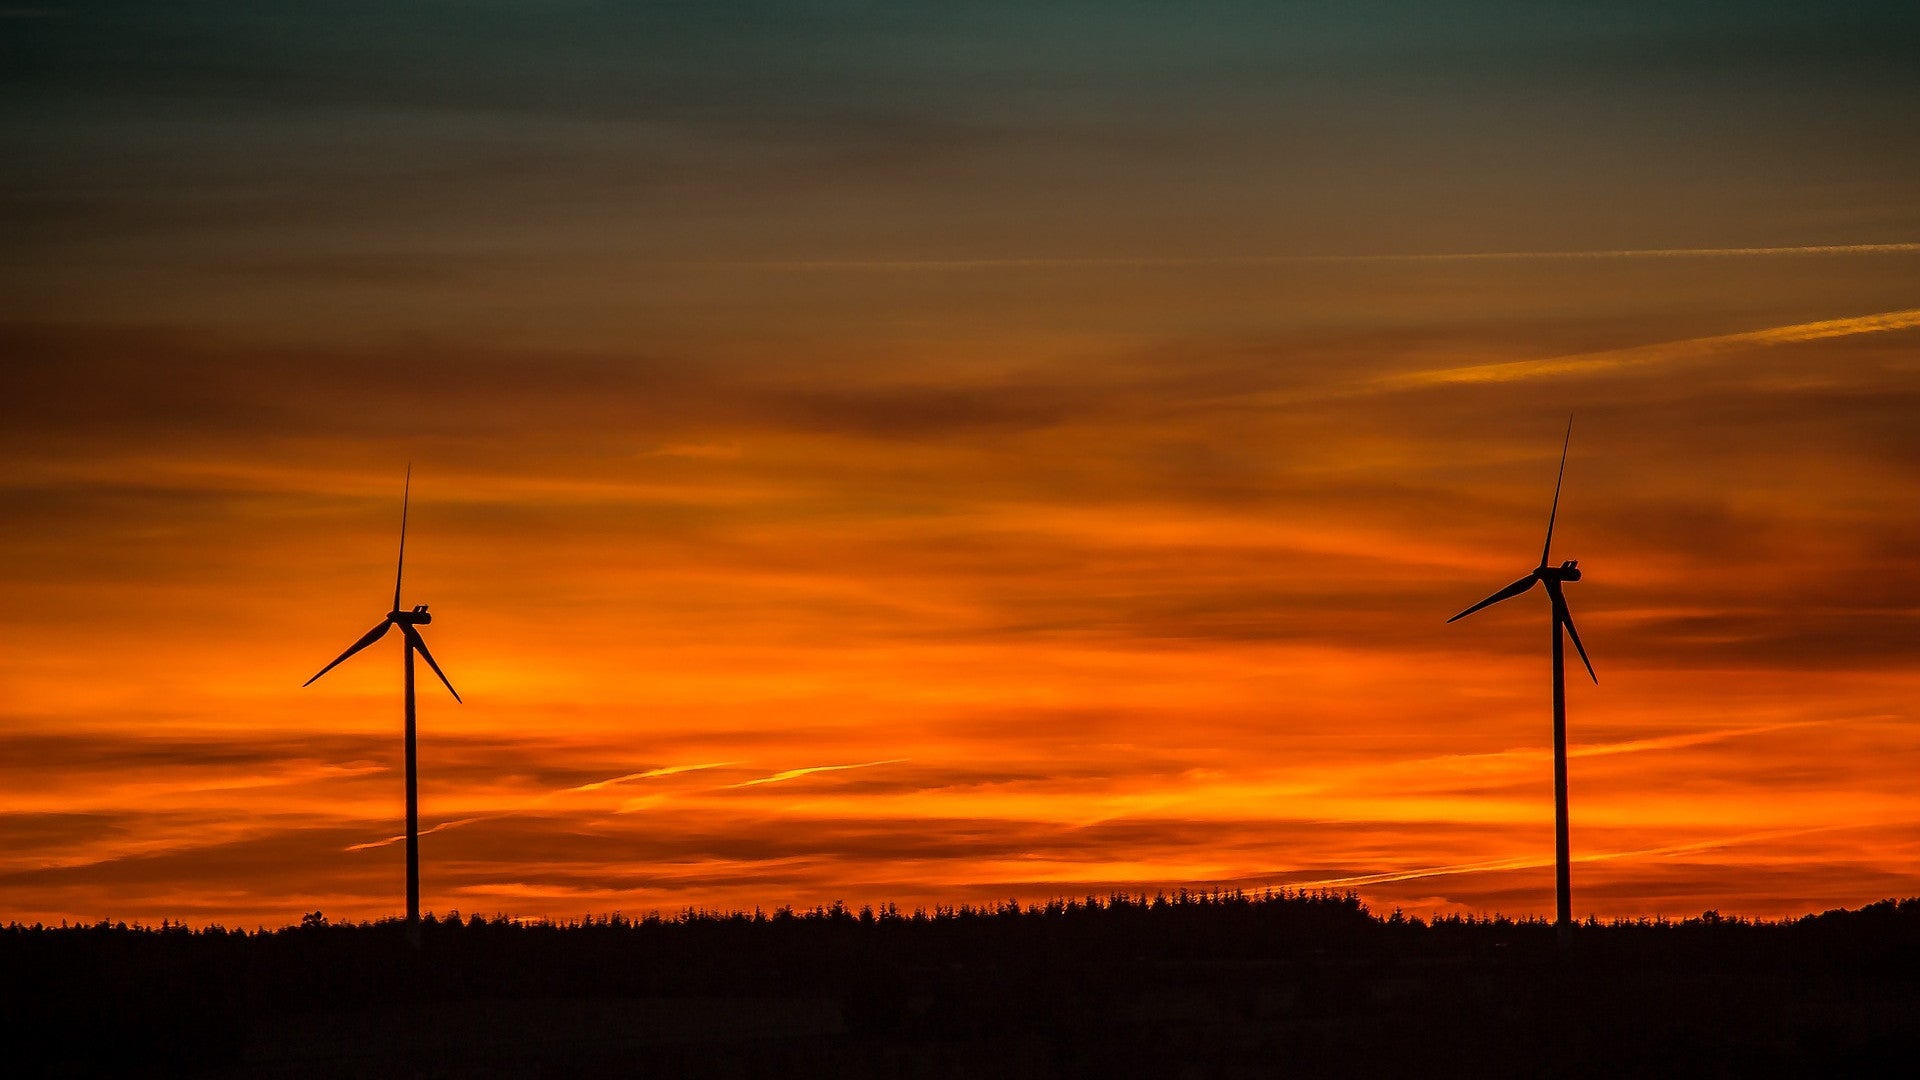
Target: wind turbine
408, 622
1554, 578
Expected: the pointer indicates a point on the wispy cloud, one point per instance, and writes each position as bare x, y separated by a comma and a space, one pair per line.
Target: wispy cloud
1175, 261
541, 801
668, 770
1409, 778
1698, 738
1625, 746
792, 774
632, 804
1657, 353
1534, 863
423, 832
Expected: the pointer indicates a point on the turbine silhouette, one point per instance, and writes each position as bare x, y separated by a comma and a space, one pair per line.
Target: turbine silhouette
1554, 578
407, 621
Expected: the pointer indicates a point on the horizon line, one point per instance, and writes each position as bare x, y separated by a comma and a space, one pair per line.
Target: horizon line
1195, 893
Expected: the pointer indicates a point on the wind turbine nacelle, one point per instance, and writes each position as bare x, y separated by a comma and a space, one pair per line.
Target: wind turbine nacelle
1569, 570
417, 617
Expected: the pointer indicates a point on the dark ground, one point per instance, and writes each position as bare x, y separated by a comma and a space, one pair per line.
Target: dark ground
1226, 986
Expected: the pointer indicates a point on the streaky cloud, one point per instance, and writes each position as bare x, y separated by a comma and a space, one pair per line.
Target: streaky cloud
1499, 761
454, 824
1701, 738
667, 770
534, 805
1123, 261
1633, 356
792, 774
1498, 865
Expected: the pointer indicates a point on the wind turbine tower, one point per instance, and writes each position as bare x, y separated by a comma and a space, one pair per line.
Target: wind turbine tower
409, 623
1555, 578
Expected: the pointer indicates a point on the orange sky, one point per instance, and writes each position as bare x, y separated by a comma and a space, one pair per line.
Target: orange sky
1001, 519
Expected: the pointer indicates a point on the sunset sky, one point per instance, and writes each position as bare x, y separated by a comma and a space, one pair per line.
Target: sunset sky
938, 454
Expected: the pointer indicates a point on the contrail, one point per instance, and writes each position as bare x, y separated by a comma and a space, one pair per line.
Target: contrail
1538, 863
1679, 741
1575, 364
792, 773
1698, 738
1125, 261
1338, 781
537, 802
423, 832
668, 770
1659, 352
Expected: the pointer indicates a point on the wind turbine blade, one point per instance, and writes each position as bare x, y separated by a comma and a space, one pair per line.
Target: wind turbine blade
420, 645
1554, 513
366, 639
1566, 619
406, 493
1510, 591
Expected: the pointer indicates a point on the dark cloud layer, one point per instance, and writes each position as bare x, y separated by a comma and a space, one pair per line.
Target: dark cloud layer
373, 146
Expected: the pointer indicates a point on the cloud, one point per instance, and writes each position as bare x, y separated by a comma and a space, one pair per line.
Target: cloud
665, 770
1536, 862
542, 804
793, 774
1660, 353
397, 837
1176, 262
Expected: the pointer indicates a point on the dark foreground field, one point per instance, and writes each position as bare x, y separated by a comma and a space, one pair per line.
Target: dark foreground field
1188, 986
